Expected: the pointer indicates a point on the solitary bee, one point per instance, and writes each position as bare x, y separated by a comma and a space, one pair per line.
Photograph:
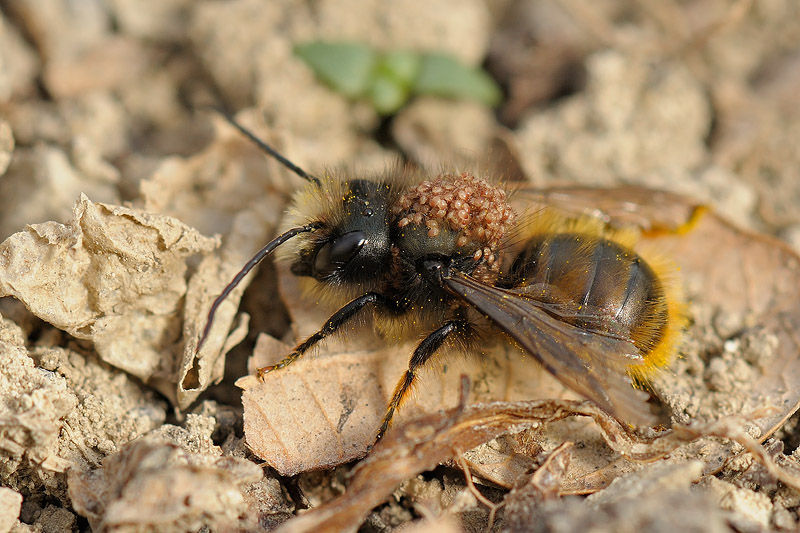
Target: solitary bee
449, 258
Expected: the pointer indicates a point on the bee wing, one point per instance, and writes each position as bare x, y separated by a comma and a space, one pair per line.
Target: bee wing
587, 361
626, 205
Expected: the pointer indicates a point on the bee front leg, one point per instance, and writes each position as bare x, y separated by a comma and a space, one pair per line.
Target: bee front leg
422, 354
336, 321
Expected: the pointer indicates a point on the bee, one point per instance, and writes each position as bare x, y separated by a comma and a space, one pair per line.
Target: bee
450, 259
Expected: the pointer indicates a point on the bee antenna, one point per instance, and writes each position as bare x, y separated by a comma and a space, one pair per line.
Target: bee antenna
269, 150
250, 265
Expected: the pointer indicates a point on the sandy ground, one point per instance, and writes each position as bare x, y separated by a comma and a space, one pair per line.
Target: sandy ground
126, 205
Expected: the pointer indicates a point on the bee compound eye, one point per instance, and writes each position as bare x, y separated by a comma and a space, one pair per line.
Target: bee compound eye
337, 253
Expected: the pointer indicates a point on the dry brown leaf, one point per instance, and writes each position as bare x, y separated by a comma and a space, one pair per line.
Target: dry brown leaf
425, 442
544, 484
415, 447
313, 417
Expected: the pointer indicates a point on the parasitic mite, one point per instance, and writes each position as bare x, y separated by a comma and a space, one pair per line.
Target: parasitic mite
448, 258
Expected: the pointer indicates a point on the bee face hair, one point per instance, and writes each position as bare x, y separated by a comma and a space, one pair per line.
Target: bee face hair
352, 242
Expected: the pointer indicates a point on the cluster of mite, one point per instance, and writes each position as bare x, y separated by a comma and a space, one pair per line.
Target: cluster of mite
572, 293
471, 206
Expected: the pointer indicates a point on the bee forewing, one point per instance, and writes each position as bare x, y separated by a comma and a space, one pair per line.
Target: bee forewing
588, 362
628, 205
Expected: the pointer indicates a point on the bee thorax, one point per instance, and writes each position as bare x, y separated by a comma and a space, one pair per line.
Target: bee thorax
467, 214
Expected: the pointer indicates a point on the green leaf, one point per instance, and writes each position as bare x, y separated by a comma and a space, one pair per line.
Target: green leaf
393, 77
402, 66
389, 79
346, 67
387, 95
442, 75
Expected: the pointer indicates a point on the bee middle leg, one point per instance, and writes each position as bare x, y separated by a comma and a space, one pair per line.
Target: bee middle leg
422, 355
337, 320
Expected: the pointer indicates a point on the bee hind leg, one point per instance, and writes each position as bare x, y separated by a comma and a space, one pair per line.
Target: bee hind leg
422, 354
332, 325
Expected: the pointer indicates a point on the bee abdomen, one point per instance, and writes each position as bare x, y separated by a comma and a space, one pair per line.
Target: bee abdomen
597, 275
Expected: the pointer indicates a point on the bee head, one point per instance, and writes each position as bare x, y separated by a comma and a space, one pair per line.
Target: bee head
352, 244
